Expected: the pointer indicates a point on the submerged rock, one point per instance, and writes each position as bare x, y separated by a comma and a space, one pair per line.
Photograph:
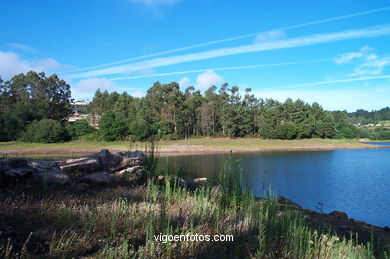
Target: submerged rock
283, 200
339, 214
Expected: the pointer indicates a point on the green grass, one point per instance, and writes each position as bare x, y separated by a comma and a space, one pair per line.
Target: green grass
121, 222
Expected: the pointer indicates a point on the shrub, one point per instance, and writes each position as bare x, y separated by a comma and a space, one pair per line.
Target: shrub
112, 127
287, 130
380, 134
139, 129
45, 131
79, 128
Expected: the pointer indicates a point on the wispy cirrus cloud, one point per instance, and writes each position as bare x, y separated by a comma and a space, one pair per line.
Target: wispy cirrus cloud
329, 82
251, 35
221, 69
368, 62
270, 36
21, 47
376, 31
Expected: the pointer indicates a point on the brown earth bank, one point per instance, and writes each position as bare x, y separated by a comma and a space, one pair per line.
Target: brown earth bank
343, 226
182, 147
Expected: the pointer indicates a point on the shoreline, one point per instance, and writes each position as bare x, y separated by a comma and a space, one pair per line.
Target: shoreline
184, 147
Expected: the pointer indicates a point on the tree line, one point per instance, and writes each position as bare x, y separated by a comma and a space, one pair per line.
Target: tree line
168, 112
35, 108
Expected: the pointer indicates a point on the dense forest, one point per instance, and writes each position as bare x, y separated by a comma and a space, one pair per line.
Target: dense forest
35, 108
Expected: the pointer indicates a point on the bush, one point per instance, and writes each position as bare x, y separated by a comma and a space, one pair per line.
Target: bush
45, 131
380, 134
139, 129
287, 130
79, 128
112, 127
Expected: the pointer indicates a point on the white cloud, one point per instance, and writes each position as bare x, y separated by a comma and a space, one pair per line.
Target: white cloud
364, 52
92, 84
280, 44
138, 94
11, 64
184, 82
154, 2
207, 79
369, 63
347, 57
270, 36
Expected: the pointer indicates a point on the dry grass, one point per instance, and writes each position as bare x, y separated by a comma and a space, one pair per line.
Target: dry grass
121, 222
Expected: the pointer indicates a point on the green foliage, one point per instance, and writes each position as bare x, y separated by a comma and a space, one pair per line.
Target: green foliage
45, 131
112, 127
29, 97
79, 128
139, 129
286, 130
380, 134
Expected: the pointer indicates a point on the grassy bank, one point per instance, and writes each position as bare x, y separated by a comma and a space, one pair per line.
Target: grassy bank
195, 145
122, 222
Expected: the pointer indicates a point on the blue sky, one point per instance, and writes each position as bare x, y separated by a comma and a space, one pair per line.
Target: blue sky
335, 52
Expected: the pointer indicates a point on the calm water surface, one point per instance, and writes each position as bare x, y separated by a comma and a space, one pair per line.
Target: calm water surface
354, 181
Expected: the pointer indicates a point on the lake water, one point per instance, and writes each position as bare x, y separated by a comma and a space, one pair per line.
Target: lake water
354, 181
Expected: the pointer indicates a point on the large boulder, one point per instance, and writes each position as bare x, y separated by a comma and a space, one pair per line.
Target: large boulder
99, 178
81, 166
49, 173
133, 158
108, 161
131, 175
102, 168
14, 171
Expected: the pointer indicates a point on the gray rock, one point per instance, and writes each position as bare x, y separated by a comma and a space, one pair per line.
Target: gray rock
131, 175
133, 158
81, 166
196, 183
107, 160
100, 178
339, 214
50, 173
14, 171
